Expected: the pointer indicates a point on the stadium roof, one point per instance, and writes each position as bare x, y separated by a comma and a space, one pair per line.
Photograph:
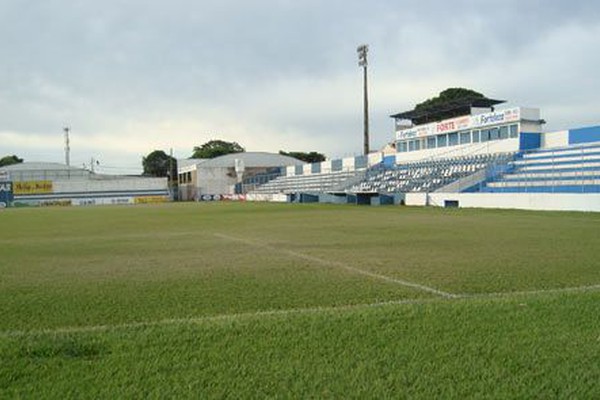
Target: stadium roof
449, 109
251, 160
188, 162
39, 166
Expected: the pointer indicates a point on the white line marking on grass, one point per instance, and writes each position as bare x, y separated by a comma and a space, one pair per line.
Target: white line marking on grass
338, 264
209, 318
574, 289
284, 312
93, 238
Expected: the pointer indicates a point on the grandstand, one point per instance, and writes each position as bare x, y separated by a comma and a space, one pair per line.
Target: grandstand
464, 150
430, 155
319, 182
571, 169
428, 175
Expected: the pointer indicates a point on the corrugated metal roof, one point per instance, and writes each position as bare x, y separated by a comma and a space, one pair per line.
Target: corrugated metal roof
251, 160
39, 166
188, 162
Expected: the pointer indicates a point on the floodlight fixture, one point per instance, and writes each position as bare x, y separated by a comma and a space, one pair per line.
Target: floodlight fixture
362, 51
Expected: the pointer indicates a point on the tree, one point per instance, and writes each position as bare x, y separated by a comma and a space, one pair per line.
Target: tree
10, 160
216, 148
448, 95
157, 164
311, 157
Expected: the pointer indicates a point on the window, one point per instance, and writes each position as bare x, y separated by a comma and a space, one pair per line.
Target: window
485, 135
414, 145
475, 135
185, 177
504, 132
431, 142
494, 134
514, 131
453, 139
402, 147
465, 137
442, 140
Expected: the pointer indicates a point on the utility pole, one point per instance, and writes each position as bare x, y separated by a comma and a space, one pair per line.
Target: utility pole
362, 61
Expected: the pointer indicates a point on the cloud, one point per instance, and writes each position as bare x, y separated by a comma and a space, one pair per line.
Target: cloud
131, 77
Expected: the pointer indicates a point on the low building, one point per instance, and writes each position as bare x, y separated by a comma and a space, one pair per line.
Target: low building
41, 183
231, 174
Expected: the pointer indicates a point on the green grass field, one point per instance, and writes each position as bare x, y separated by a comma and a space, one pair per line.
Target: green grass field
229, 300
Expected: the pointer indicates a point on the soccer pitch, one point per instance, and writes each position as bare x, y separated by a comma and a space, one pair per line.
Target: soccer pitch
240, 300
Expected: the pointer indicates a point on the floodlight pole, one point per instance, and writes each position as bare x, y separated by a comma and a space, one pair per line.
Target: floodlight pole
67, 147
170, 183
362, 61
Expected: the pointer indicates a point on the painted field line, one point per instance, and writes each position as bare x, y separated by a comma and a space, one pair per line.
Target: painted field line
331, 263
209, 318
93, 238
284, 312
574, 289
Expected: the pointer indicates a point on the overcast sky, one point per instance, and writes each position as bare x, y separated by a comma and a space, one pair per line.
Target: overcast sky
132, 76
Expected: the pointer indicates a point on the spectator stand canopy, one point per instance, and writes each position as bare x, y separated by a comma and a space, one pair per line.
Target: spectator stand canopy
446, 110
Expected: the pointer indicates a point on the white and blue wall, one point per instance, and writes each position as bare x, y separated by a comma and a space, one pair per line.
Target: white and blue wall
570, 137
348, 164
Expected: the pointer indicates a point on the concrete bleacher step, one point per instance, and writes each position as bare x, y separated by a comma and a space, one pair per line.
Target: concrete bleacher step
592, 147
551, 174
544, 189
560, 156
545, 182
558, 161
294, 183
566, 166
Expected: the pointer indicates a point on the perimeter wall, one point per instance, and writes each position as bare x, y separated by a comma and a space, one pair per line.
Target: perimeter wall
524, 201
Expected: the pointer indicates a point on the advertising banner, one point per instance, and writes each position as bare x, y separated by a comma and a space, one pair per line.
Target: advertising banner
97, 201
461, 123
233, 197
56, 203
32, 187
210, 197
150, 199
6, 194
